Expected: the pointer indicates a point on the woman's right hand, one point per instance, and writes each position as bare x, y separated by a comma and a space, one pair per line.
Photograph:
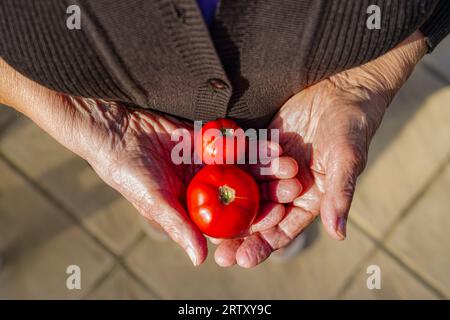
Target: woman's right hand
128, 148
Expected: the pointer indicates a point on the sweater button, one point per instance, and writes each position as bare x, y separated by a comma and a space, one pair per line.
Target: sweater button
217, 84
181, 13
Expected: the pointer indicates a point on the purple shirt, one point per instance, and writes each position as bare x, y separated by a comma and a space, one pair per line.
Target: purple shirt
208, 8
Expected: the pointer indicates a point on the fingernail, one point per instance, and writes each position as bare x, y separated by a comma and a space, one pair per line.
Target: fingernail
341, 227
192, 256
220, 261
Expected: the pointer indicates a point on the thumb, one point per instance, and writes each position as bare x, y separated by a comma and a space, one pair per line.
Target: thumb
168, 212
344, 165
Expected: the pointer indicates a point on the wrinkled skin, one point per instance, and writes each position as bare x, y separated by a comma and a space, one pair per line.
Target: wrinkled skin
130, 149
325, 128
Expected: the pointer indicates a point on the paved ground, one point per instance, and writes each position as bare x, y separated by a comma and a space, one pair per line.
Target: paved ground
55, 212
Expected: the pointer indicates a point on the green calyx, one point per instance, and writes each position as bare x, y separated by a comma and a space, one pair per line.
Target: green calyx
226, 194
227, 132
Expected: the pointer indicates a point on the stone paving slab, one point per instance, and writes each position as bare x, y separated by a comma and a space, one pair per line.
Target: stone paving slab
26, 218
410, 146
71, 180
119, 285
396, 282
6, 115
439, 60
406, 156
38, 243
422, 239
318, 273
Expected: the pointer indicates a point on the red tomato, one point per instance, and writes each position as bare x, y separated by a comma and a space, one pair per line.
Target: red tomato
223, 200
211, 145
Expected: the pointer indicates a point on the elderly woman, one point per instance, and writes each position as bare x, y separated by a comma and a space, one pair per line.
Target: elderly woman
111, 80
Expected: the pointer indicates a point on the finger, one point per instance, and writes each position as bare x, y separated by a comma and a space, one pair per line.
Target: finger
343, 168
268, 149
263, 151
215, 240
278, 168
270, 214
171, 216
281, 191
275, 237
310, 200
225, 255
295, 221
253, 251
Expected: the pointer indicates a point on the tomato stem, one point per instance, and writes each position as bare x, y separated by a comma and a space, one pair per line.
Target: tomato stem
226, 194
226, 132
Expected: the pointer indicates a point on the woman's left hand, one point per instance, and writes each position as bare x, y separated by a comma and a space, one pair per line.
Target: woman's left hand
327, 129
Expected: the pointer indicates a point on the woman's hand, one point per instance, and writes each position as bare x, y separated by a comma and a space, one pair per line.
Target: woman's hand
129, 149
327, 129
278, 184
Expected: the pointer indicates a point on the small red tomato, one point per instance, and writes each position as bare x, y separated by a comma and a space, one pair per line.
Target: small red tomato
215, 136
223, 201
